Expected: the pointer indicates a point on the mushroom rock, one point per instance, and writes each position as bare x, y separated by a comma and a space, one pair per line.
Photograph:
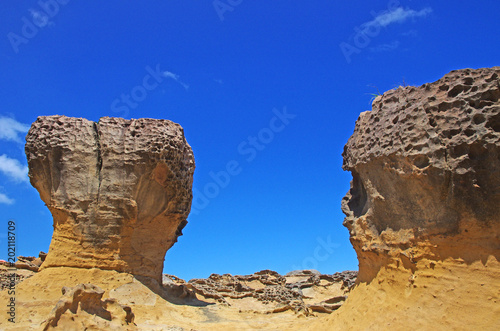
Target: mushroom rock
119, 190
426, 173
423, 211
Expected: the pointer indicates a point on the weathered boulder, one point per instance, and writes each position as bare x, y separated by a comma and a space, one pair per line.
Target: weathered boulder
426, 173
119, 190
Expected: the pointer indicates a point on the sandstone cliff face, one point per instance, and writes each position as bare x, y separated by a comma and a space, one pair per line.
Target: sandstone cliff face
423, 210
119, 190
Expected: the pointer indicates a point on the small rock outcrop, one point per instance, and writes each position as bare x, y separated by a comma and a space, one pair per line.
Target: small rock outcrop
12, 274
82, 308
426, 173
119, 190
302, 291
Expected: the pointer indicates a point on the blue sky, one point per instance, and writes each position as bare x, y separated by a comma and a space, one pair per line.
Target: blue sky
267, 92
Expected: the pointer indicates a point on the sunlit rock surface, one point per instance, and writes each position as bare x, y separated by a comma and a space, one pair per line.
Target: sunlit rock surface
119, 190
423, 210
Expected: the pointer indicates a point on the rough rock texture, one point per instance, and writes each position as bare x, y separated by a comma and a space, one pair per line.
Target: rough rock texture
253, 302
119, 190
423, 210
303, 291
12, 274
82, 308
426, 172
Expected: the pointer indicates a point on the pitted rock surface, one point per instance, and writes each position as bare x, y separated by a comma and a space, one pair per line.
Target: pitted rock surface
119, 190
302, 291
426, 173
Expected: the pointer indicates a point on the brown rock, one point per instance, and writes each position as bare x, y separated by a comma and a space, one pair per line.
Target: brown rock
423, 208
119, 190
301, 291
426, 172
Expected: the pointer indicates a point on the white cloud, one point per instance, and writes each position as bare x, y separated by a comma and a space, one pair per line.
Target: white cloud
385, 47
5, 199
399, 15
13, 169
10, 129
175, 77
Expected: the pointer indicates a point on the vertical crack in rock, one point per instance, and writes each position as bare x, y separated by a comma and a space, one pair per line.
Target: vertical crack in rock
119, 190
99, 158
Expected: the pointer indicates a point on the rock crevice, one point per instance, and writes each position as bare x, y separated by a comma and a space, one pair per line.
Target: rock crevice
99, 159
119, 190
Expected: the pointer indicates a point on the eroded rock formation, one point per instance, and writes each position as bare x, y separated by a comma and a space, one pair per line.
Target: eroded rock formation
98, 299
426, 173
423, 215
119, 190
266, 291
423, 210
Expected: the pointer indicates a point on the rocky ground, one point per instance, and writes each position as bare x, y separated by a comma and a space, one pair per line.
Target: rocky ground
266, 291
113, 305
303, 291
24, 267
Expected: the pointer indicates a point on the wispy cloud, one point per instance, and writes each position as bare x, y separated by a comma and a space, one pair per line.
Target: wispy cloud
13, 169
399, 15
175, 77
385, 47
5, 199
10, 129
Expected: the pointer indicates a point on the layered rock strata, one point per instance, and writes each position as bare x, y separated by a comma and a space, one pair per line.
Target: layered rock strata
119, 190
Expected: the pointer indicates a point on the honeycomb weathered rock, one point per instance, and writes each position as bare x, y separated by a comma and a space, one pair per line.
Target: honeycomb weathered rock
426, 172
119, 190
